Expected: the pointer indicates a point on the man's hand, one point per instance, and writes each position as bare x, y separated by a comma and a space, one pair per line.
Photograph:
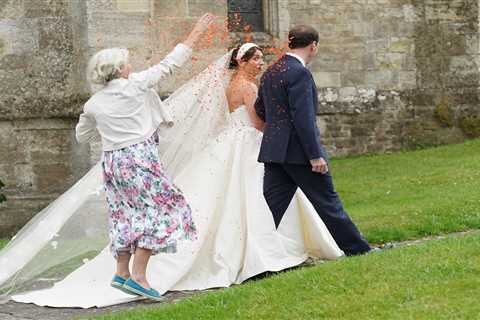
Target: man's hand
319, 165
200, 27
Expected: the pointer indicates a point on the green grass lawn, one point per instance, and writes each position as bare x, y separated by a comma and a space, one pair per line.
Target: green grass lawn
391, 197
3, 243
435, 280
412, 194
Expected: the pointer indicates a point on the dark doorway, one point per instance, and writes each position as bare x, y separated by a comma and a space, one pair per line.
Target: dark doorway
245, 16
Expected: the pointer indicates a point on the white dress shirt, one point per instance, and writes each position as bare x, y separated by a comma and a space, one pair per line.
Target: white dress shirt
298, 57
129, 111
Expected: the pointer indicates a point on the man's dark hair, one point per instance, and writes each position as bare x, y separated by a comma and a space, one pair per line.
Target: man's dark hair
302, 36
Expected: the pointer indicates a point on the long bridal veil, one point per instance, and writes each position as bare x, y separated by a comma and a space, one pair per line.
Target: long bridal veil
199, 109
74, 227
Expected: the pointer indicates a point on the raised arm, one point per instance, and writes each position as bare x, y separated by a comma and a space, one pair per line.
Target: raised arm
259, 105
150, 77
175, 59
302, 111
250, 98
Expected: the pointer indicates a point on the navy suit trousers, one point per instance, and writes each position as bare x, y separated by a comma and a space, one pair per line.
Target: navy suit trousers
280, 184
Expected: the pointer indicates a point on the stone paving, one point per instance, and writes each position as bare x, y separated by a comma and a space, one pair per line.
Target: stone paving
21, 311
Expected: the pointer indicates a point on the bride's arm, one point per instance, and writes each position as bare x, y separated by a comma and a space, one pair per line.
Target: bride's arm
175, 59
250, 96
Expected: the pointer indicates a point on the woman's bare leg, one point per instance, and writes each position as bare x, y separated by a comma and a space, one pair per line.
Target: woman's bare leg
123, 262
139, 270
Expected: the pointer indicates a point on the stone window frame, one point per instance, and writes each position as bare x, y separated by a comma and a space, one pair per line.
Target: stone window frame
276, 19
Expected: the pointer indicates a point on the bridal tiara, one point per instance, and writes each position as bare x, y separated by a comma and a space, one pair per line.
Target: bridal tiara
244, 48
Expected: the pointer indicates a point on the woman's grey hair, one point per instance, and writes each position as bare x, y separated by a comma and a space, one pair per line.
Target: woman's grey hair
105, 66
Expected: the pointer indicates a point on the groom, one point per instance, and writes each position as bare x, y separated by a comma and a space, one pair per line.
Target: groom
291, 150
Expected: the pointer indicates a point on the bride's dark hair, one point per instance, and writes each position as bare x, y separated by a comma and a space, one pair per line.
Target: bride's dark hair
246, 57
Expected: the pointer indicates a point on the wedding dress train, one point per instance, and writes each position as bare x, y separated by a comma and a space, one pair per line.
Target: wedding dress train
222, 181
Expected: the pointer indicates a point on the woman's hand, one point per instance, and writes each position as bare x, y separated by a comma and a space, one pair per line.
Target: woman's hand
200, 27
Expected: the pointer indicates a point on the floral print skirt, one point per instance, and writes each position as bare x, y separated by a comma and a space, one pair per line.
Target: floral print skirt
146, 210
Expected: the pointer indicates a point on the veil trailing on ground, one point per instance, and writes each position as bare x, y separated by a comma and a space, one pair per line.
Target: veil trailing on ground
74, 227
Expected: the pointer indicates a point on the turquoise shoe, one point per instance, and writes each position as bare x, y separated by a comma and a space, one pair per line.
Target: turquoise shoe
118, 282
135, 288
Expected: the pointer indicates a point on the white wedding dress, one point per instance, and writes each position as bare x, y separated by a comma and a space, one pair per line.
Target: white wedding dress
221, 180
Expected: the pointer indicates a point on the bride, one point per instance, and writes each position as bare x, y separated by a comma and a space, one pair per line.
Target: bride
211, 152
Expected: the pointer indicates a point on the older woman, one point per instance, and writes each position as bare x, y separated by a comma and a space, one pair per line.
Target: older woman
148, 214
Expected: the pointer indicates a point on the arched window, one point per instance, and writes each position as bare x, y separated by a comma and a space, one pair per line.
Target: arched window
245, 16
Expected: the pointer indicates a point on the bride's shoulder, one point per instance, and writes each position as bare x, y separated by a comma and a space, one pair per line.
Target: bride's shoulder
241, 84
247, 84
249, 91
251, 88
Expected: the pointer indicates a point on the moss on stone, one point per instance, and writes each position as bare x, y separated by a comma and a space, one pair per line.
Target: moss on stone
444, 115
470, 126
417, 136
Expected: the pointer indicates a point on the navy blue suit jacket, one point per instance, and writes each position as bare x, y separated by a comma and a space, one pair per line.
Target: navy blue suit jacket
287, 103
